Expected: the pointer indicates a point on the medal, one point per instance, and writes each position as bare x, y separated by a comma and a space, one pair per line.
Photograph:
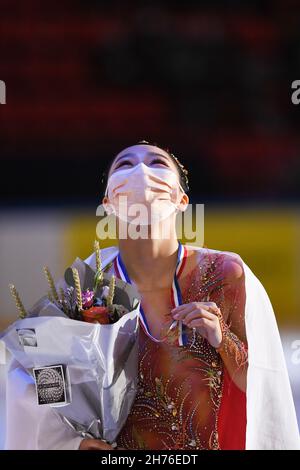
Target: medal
176, 298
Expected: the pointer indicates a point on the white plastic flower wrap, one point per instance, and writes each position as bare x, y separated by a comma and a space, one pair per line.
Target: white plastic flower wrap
79, 345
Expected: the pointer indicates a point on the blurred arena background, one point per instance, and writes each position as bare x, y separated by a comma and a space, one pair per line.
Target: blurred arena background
209, 79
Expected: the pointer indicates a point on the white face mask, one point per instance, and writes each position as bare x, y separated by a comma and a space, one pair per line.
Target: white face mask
143, 195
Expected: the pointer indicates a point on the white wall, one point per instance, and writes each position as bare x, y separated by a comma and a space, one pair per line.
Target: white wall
27, 243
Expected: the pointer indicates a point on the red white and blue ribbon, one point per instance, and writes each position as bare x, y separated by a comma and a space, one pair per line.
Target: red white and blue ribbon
176, 298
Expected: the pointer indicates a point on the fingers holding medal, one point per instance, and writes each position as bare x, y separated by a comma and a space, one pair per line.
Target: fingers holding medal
204, 316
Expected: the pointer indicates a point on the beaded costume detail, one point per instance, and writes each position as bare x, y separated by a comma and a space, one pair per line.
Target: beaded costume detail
180, 387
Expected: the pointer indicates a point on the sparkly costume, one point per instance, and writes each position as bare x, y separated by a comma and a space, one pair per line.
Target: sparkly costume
186, 399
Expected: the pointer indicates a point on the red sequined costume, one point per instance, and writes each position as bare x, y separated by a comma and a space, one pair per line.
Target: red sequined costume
186, 398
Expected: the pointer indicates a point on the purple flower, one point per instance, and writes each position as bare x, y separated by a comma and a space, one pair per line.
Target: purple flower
87, 298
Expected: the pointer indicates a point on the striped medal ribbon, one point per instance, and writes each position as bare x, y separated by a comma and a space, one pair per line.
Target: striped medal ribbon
176, 298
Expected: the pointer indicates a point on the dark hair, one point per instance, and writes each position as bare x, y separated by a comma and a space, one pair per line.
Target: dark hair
181, 169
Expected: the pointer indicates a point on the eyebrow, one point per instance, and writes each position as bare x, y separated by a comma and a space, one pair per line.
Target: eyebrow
151, 154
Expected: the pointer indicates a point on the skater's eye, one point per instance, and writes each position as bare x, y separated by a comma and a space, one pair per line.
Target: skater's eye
122, 163
159, 161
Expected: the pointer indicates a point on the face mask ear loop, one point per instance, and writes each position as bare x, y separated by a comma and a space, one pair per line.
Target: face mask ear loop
177, 207
109, 209
181, 188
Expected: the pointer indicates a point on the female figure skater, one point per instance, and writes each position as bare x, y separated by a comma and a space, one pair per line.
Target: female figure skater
192, 377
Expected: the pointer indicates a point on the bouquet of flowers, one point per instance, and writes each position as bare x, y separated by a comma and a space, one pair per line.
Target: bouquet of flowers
79, 346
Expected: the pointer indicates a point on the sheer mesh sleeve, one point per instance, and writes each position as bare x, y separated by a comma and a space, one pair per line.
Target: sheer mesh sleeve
219, 278
232, 318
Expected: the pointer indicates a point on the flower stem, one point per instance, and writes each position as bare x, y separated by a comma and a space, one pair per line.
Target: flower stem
51, 283
111, 292
98, 279
16, 297
77, 288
